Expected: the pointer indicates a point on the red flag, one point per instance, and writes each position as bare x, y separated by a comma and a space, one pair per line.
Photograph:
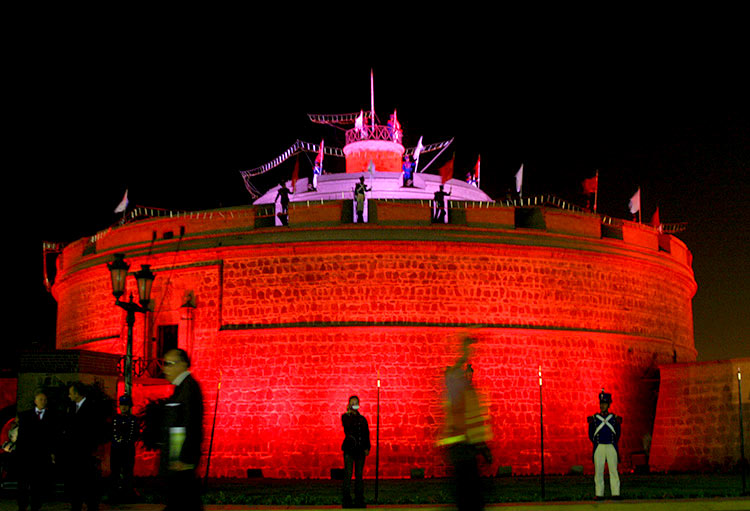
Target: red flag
319, 158
655, 222
591, 184
446, 171
295, 175
476, 172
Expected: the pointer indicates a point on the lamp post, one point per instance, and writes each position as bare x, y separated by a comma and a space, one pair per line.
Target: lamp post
118, 270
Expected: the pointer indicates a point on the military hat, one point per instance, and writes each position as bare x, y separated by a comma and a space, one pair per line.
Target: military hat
605, 397
126, 400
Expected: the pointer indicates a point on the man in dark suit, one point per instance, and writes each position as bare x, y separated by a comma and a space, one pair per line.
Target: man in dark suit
83, 434
38, 430
182, 434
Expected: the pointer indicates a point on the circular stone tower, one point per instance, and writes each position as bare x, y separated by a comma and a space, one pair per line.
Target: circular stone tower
293, 320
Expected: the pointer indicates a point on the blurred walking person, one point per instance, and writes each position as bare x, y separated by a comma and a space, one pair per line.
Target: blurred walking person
183, 434
466, 431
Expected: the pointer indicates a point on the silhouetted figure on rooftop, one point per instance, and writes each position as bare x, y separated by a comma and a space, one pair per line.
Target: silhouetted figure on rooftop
359, 194
283, 193
440, 196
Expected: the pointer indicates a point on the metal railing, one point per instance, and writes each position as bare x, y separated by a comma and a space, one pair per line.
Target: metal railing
374, 133
148, 367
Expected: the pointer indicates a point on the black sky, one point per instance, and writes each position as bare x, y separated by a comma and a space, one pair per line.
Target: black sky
174, 121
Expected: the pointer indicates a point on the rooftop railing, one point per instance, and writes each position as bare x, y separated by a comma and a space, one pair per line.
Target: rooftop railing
385, 133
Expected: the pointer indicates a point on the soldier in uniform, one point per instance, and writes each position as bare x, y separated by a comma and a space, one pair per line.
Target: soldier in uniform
604, 433
124, 435
359, 194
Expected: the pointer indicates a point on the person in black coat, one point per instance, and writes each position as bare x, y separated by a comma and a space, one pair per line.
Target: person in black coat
356, 447
37, 439
84, 432
182, 432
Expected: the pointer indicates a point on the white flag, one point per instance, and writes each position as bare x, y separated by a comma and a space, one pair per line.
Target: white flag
635, 202
123, 204
418, 149
519, 179
359, 122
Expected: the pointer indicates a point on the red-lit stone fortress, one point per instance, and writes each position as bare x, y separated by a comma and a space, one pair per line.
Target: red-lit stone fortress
294, 319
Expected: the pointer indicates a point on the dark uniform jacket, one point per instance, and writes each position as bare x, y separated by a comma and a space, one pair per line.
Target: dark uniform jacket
604, 429
184, 409
357, 433
124, 430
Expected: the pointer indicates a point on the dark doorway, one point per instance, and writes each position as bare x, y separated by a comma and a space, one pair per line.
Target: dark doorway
167, 340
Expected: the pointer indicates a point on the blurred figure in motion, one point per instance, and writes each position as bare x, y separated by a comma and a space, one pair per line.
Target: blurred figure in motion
466, 432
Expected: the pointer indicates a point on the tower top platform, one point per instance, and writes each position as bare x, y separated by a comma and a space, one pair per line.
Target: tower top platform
384, 185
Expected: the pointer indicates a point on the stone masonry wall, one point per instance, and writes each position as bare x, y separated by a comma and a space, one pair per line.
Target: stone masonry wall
284, 390
456, 283
294, 328
697, 420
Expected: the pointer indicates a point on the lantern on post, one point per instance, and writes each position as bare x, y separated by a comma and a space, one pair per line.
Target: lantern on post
118, 270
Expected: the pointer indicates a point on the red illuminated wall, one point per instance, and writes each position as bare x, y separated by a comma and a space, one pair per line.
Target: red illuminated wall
386, 156
296, 320
697, 424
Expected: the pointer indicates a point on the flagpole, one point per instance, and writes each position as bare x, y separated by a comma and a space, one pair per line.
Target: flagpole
372, 101
479, 170
596, 190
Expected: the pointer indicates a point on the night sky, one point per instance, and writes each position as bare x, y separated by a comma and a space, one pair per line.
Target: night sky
175, 122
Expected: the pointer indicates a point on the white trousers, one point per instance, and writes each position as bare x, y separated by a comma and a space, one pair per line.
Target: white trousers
606, 453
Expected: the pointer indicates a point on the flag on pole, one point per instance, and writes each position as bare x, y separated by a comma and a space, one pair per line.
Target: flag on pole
372, 98
655, 221
418, 150
394, 126
591, 184
295, 175
476, 172
446, 171
123, 203
635, 202
319, 157
359, 122
519, 179
473, 177
317, 167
